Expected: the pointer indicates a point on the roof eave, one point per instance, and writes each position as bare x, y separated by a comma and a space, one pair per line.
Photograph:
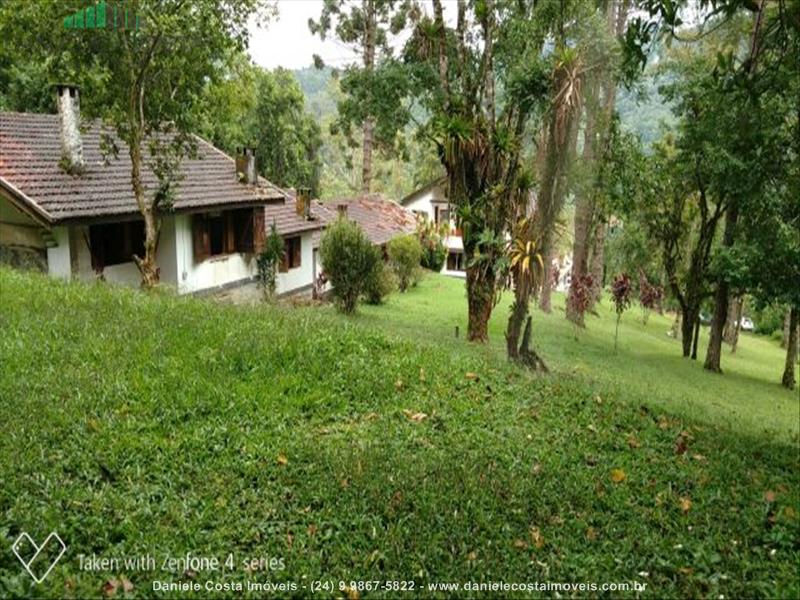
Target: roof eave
25, 203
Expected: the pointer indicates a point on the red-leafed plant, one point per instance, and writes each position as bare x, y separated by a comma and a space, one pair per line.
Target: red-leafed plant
621, 294
649, 296
580, 296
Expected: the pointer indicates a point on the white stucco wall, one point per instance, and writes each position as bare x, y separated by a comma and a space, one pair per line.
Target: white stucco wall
176, 259
223, 270
424, 204
58, 257
302, 276
126, 273
212, 272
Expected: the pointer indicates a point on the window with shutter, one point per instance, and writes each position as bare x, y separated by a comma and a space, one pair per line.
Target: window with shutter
291, 253
200, 238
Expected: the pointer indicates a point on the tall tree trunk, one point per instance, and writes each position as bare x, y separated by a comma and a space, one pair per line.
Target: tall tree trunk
688, 320
519, 311
714, 351
696, 339
788, 379
546, 293
737, 325
584, 210
366, 165
731, 330
597, 264
148, 267
787, 320
480, 301
369, 123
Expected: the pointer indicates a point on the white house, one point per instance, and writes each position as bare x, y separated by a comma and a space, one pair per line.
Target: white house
87, 225
431, 203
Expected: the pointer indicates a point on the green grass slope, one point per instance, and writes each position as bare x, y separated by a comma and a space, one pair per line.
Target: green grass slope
134, 424
647, 368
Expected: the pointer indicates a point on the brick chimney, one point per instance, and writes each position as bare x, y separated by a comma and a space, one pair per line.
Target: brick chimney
246, 165
69, 117
303, 202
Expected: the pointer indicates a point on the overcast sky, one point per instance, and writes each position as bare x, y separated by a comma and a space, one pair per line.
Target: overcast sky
288, 43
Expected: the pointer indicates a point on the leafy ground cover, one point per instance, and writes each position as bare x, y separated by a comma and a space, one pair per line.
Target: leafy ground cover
161, 425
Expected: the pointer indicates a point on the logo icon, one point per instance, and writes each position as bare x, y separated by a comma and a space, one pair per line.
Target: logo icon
38, 560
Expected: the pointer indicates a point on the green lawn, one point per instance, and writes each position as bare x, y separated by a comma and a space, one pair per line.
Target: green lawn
648, 367
161, 425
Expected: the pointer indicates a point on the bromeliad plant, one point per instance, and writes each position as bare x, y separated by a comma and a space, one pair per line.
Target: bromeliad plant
525, 268
621, 294
649, 296
580, 298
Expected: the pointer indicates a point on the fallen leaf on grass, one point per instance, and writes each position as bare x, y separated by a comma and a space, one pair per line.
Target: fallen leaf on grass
617, 475
282, 460
591, 533
686, 570
417, 417
422, 374
351, 593
312, 530
537, 538
633, 442
520, 544
682, 442
398, 385
471, 376
769, 496
472, 556
699, 458
109, 588
686, 504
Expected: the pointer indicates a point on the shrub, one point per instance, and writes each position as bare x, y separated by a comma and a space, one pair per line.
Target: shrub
380, 284
621, 294
405, 254
349, 260
649, 296
267, 262
431, 238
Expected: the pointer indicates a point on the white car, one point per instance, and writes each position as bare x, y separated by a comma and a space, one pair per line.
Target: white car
746, 324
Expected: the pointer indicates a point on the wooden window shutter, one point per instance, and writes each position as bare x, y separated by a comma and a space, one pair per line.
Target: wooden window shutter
96, 247
245, 230
283, 267
200, 237
259, 229
296, 252
230, 234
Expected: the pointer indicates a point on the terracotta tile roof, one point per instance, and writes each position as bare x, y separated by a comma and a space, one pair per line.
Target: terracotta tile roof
287, 221
380, 218
30, 151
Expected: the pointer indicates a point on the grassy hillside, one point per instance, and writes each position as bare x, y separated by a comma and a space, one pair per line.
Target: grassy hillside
648, 367
134, 425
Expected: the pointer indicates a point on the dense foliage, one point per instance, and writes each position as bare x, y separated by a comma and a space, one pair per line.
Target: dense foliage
405, 253
349, 260
268, 261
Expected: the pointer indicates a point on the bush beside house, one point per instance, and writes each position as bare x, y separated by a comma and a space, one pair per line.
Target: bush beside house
350, 262
405, 253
